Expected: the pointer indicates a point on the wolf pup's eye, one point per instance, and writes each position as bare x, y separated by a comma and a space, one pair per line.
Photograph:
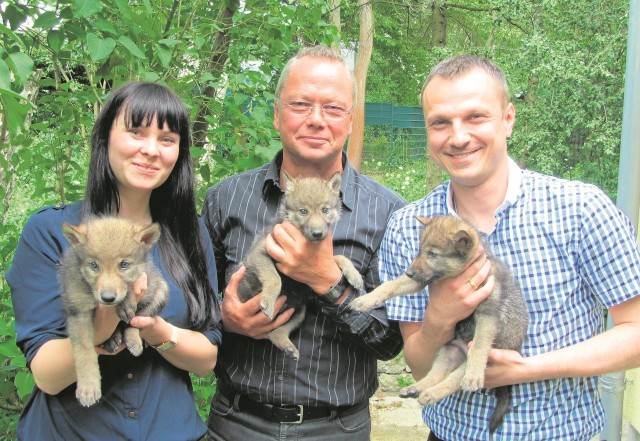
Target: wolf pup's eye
303, 211
93, 265
124, 264
432, 254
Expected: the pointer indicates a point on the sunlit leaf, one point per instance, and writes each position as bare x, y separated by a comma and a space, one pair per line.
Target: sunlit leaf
99, 48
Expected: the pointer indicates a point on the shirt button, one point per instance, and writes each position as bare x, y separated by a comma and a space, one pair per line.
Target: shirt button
132, 414
129, 376
280, 377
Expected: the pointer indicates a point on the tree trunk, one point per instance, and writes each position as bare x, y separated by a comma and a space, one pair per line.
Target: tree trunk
438, 24
365, 47
334, 14
215, 67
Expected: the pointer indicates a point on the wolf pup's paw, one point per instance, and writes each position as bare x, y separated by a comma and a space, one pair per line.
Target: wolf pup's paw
409, 392
350, 272
428, 397
88, 393
365, 303
114, 341
126, 312
432, 395
268, 306
133, 341
471, 382
292, 352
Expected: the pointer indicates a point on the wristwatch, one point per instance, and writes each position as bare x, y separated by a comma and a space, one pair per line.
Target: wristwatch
165, 346
336, 291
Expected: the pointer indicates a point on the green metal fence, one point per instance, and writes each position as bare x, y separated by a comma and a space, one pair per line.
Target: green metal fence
393, 134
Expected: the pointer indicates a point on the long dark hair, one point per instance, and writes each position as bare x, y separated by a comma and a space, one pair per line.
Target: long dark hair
172, 204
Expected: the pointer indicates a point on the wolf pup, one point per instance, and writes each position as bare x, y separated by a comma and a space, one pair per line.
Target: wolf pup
105, 257
313, 205
447, 245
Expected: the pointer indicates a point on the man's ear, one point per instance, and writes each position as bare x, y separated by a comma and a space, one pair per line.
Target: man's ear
276, 117
509, 119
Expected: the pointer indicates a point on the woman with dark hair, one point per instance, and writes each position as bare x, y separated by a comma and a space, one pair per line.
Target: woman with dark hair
140, 169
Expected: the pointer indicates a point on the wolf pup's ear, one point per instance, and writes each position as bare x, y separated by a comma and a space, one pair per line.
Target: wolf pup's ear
74, 234
288, 181
463, 242
149, 235
423, 220
334, 182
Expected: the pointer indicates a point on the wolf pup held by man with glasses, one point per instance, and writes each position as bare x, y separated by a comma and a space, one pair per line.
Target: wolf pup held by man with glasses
573, 253
140, 170
262, 394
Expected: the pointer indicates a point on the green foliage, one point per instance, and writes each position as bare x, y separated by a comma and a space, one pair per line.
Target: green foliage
203, 389
404, 381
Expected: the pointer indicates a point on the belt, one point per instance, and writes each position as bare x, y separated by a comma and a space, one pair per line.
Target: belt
294, 414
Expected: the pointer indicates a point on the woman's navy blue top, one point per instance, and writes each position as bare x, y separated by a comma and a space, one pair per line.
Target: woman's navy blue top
143, 398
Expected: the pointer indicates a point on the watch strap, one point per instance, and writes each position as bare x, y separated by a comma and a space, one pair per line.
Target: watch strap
164, 346
336, 291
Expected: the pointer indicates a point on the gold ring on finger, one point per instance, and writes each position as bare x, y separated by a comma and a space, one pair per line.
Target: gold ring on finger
473, 285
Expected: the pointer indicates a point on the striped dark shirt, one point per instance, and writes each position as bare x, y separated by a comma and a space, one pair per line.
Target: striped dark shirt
338, 348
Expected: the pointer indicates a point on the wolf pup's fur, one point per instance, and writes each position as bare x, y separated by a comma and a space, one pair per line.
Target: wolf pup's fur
313, 205
447, 245
105, 257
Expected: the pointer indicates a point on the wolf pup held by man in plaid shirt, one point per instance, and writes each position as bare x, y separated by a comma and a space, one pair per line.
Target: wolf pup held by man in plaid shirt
324, 394
572, 251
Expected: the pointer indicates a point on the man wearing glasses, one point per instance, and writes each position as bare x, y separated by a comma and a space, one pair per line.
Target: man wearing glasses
261, 393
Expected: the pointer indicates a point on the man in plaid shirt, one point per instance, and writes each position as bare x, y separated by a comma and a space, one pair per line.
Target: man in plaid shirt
573, 252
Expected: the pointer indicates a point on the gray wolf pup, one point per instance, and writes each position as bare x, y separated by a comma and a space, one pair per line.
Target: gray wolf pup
314, 206
105, 257
447, 245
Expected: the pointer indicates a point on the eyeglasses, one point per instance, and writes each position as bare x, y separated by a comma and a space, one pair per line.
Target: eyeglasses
329, 111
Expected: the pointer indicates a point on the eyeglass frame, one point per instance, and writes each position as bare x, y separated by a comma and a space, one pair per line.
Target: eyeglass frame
344, 111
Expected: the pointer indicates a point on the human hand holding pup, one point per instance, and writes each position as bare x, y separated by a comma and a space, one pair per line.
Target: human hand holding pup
308, 262
247, 318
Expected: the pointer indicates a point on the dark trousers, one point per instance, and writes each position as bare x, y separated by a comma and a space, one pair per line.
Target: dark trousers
433, 437
227, 422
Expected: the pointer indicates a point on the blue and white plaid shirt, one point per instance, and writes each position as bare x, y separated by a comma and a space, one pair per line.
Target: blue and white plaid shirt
574, 254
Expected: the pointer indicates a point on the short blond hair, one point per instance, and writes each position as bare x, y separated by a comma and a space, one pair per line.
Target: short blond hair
319, 51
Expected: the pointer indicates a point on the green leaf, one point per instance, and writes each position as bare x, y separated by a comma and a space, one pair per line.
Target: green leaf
105, 26
86, 8
150, 76
169, 42
164, 54
46, 20
55, 38
24, 383
131, 47
9, 33
123, 6
9, 349
15, 112
99, 48
21, 65
14, 16
5, 76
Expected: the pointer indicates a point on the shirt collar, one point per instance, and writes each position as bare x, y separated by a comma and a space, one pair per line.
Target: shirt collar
347, 187
510, 198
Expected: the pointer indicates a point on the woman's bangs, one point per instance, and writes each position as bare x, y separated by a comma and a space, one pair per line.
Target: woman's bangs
139, 111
